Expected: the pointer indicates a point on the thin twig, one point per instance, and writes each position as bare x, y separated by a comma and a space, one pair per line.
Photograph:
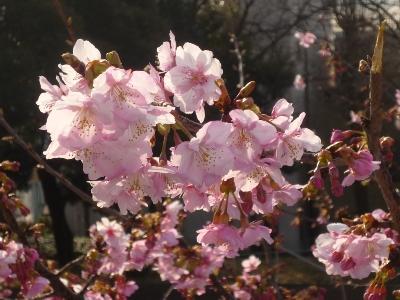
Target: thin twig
70, 264
67, 21
301, 258
168, 293
87, 284
68, 184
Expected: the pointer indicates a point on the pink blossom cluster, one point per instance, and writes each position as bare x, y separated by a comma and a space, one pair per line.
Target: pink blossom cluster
105, 116
248, 283
347, 148
122, 290
187, 269
347, 253
17, 266
113, 243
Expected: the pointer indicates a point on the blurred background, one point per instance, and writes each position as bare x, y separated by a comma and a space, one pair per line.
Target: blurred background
260, 33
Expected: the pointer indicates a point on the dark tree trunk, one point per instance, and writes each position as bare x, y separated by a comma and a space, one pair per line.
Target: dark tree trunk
56, 203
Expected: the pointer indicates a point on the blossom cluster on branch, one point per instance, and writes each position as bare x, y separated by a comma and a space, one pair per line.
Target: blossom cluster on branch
145, 154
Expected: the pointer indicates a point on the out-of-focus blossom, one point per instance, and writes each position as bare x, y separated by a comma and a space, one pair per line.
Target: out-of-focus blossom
306, 39
299, 82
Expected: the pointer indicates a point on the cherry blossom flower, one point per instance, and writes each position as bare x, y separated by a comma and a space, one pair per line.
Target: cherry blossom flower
294, 140
361, 166
250, 134
126, 192
166, 54
77, 121
306, 39
192, 80
85, 51
206, 158
195, 199
250, 264
113, 158
139, 255
116, 244
223, 235
51, 94
131, 95
347, 254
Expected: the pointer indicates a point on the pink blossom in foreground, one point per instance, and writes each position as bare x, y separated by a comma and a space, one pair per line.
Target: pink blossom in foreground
299, 82
131, 96
77, 121
361, 166
306, 39
192, 80
85, 51
166, 54
207, 157
195, 199
250, 134
113, 158
292, 143
125, 192
51, 94
254, 233
347, 254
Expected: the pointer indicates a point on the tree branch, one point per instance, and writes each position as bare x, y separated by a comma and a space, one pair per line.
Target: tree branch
374, 128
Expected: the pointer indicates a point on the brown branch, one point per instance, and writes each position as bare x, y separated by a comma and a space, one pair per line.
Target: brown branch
374, 128
70, 264
66, 20
91, 279
68, 184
